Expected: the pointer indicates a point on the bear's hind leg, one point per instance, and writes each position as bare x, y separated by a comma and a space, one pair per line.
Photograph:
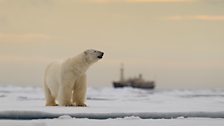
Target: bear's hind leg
79, 92
50, 100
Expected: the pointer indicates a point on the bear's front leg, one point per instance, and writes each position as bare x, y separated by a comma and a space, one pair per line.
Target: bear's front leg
64, 96
79, 91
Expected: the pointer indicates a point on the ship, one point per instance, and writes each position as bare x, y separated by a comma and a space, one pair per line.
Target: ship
136, 82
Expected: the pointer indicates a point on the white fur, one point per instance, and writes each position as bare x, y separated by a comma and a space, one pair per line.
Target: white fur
65, 82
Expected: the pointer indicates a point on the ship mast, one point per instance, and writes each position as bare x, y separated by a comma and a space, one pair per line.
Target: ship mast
122, 73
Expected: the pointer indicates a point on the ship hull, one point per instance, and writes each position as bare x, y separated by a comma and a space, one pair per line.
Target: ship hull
149, 85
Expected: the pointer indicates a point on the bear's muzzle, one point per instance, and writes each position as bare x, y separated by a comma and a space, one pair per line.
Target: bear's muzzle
101, 55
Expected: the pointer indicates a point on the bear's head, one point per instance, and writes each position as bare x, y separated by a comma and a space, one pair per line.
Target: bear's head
92, 55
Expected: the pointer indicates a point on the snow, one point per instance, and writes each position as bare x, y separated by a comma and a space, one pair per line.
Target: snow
129, 121
109, 100
109, 106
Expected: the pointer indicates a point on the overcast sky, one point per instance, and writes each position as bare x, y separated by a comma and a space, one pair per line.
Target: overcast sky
177, 43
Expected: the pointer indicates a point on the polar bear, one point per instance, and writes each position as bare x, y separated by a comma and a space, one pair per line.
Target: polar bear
65, 82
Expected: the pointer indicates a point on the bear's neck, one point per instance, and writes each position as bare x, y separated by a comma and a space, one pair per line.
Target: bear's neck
79, 63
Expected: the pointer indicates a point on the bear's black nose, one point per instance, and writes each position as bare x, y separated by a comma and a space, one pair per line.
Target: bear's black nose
101, 55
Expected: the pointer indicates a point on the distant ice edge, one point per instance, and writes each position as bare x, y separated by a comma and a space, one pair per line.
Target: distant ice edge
27, 115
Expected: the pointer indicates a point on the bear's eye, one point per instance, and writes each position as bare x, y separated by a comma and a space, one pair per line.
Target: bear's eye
95, 51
